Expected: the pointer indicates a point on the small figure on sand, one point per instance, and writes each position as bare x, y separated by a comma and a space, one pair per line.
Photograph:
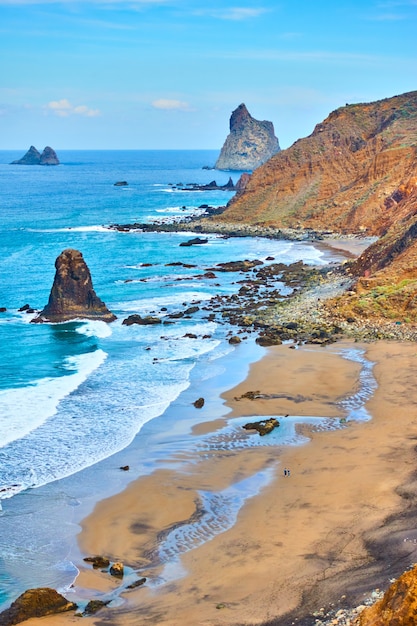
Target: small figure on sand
287, 472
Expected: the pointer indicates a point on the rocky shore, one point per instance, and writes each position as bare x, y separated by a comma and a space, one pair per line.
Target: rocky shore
310, 312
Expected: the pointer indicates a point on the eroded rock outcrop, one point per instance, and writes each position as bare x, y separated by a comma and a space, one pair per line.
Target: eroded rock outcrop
249, 143
34, 157
398, 607
72, 295
35, 603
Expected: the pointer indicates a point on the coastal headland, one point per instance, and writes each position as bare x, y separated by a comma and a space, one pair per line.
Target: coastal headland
324, 525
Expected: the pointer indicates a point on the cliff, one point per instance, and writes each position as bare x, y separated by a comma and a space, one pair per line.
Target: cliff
356, 173
398, 607
34, 157
347, 176
249, 143
72, 295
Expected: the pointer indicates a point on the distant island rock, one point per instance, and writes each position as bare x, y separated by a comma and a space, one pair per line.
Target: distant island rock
34, 157
72, 295
249, 144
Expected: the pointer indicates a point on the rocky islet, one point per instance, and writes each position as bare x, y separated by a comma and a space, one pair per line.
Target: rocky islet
34, 157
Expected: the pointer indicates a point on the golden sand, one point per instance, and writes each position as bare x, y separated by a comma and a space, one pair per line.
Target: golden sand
301, 530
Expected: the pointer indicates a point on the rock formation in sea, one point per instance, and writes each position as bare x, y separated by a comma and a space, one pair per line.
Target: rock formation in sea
49, 157
72, 295
34, 157
249, 143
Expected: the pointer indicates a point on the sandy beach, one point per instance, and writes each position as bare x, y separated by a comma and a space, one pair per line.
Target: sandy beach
328, 534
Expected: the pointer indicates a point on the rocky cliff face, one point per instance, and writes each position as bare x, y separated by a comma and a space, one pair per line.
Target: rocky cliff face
350, 175
72, 294
249, 144
34, 157
356, 173
398, 607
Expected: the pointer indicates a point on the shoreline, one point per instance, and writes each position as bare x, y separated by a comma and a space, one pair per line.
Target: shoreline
107, 526
293, 551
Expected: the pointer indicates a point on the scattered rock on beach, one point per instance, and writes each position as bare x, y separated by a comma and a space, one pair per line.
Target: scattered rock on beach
137, 583
199, 403
35, 603
264, 427
117, 570
98, 562
95, 605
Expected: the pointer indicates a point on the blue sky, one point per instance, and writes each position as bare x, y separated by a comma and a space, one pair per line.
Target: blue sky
156, 74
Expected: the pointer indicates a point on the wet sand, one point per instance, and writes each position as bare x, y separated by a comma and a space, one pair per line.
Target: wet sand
340, 525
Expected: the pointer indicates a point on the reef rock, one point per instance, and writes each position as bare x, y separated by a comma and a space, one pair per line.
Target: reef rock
34, 157
398, 607
35, 603
72, 295
249, 143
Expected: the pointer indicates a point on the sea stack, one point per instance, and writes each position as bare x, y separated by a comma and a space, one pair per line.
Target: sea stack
249, 144
72, 295
34, 157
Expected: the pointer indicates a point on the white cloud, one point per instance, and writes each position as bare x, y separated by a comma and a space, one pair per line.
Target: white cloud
233, 13
64, 108
166, 104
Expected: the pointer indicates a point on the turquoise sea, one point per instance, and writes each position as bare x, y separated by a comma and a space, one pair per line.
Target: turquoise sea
80, 399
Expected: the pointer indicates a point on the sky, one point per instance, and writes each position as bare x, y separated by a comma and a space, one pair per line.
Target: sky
167, 74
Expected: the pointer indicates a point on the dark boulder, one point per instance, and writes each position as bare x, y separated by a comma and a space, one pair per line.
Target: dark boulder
142, 321
98, 562
194, 242
72, 295
263, 427
35, 603
95, 605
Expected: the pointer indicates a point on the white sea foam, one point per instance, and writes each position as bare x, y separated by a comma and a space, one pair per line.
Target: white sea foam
75, 229
171, 299
24, 409
94, 328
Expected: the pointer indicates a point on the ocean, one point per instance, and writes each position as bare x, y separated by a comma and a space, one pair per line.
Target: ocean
80, 399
